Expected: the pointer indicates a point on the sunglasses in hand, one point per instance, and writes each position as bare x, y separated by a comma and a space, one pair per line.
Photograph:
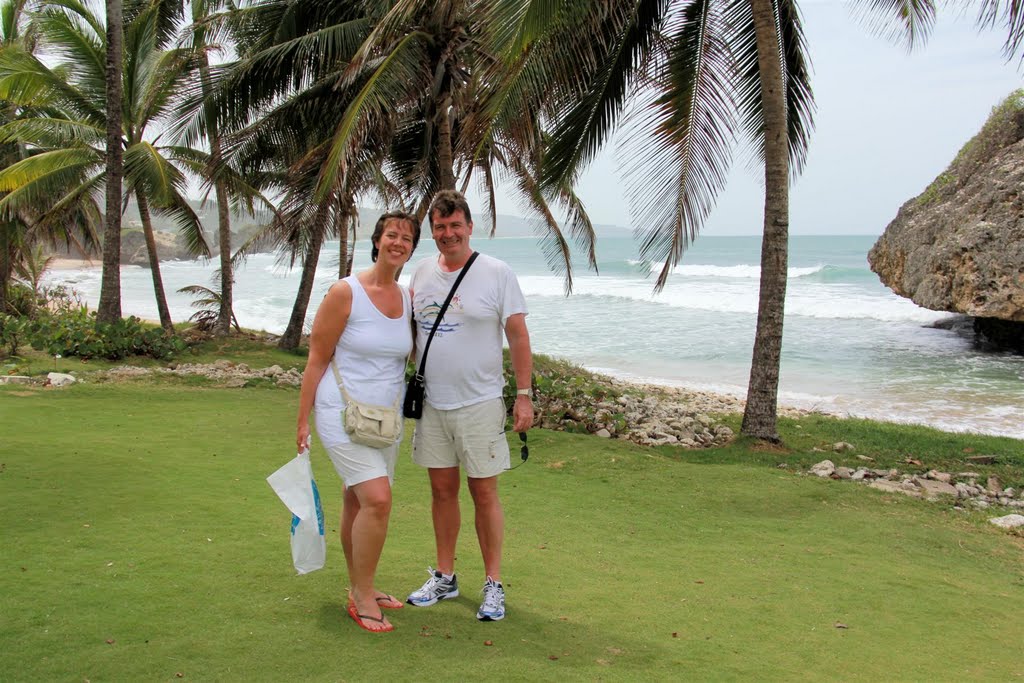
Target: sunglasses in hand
524, 451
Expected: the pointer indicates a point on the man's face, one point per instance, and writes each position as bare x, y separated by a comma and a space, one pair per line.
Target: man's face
451, 234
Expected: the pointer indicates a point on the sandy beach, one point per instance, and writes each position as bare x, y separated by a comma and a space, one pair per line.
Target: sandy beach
64, 263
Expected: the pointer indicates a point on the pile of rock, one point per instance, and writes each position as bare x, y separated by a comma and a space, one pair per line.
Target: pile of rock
649, 415
962, 486
651, 419
230, 374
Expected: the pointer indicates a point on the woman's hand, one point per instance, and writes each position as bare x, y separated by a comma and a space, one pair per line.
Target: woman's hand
302, 437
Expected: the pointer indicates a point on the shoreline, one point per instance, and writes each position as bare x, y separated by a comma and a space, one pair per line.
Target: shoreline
67, 263
722, 400
968, 411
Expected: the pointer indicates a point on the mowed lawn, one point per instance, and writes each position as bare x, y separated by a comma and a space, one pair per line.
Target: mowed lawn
141, 542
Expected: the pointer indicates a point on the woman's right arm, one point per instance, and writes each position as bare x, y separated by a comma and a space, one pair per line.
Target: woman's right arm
328, 325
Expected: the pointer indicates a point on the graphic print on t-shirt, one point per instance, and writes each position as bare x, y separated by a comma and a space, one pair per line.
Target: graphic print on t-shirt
428, 313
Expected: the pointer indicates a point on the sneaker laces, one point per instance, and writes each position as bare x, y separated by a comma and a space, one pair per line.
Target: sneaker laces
492, 596
434, 578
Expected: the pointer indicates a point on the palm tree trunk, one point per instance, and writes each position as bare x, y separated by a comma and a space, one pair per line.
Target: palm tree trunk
154, 264
445, 159
109, 308
227, 273
344, 264
353, 233
761, 413
6, 261
293, 333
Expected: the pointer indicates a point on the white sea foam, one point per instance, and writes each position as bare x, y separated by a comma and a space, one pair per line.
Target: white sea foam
814, 300
742, 271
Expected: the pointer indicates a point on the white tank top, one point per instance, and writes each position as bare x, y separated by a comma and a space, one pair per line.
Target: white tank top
371, 356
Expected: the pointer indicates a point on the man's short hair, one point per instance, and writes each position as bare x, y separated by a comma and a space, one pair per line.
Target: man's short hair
382, 223
447, 202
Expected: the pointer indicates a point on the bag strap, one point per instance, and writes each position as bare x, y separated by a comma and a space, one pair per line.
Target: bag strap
341, 386
440, 314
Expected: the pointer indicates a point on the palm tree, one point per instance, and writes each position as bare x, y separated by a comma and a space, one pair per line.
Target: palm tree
109, 308
21, 231
200, 37
434, 71
279, 104
12, 229
67, 136
704, 71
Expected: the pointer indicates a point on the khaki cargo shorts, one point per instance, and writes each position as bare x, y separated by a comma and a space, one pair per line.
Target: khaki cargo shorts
471, 437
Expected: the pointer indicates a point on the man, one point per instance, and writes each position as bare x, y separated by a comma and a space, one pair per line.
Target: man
463, 422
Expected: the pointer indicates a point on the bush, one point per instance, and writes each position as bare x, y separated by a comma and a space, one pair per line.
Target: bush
21, 300
77, 333
61, 323
13, 331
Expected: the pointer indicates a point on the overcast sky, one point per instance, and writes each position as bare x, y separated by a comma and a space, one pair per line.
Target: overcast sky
887, 124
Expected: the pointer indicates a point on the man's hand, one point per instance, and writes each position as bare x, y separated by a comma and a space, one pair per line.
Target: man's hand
522, 414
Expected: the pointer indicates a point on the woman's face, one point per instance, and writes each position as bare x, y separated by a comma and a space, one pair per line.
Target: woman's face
396, 242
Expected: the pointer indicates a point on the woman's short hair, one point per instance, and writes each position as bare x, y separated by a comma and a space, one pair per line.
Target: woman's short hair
447, 202
382, 223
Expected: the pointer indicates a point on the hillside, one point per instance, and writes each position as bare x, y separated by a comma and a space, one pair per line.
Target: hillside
244, 224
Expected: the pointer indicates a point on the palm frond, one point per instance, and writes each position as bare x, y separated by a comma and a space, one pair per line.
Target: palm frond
554, 245
148, 172
187, 223
587, 124
31, 181
681, 145
26, 81
1009, 13
519, 23
796, 77
906, 22
375, 99
50, 133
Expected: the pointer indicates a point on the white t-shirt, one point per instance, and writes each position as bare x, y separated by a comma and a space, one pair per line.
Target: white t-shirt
464, 360
371, 356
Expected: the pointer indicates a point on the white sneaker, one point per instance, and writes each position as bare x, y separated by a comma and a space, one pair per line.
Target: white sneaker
493, 606
436, 588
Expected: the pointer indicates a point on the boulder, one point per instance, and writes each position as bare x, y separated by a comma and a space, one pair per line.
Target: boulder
959, 245
59, 379
895, 487
825, 468
1008, 521
933, 489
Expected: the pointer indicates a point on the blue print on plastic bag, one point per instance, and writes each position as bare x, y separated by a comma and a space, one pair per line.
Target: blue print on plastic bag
319, 512
319, 509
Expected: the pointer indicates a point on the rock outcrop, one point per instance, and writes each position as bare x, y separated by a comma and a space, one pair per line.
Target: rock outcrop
169, 247
959, 245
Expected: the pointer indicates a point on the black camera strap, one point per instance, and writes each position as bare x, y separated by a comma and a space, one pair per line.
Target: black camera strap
440, 314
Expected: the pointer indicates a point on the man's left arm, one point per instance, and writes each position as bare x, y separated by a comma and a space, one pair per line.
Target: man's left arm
522, 366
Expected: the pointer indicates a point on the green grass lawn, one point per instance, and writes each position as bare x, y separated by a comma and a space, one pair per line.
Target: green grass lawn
141, 542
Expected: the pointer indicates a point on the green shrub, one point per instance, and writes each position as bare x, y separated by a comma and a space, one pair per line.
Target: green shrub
13, 331
77, 333
21, 300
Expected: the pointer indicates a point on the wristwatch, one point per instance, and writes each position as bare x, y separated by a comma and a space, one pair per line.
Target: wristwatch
522, 392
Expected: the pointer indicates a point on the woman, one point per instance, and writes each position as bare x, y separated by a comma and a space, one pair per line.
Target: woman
364, 325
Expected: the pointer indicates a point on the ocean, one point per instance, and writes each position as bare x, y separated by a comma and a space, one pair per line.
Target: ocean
850, 346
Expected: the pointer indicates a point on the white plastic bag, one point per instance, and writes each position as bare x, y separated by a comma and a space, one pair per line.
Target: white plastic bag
294, 485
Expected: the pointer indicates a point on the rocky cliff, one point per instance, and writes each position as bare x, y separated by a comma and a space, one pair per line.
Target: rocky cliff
169, 246
959, 245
